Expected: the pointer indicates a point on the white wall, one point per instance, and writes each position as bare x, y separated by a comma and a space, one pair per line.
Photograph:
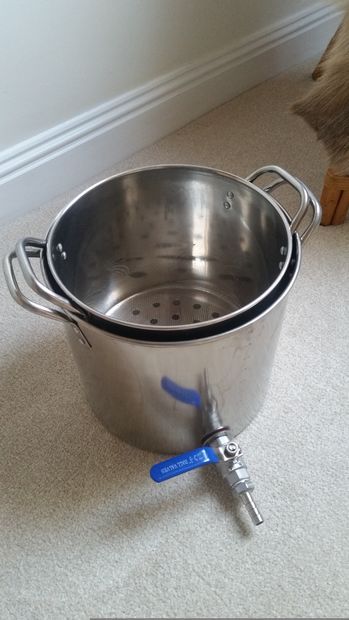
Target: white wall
86, 83
62, 57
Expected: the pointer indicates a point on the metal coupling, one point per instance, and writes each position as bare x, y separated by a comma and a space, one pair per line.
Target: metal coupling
234, 471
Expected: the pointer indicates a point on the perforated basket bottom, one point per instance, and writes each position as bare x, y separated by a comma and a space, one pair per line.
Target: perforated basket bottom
171, 306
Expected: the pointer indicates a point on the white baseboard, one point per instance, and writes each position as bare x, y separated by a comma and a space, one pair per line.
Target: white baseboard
54, 161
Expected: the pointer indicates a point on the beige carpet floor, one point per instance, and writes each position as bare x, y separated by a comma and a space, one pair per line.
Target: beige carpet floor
84, 531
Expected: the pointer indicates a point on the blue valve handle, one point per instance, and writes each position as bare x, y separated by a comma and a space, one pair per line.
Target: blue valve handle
182, 463
184, 395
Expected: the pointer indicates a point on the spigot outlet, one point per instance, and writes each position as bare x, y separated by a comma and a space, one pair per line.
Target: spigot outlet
218, 447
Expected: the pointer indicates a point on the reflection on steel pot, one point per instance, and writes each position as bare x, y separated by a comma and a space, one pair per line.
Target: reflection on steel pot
170, 248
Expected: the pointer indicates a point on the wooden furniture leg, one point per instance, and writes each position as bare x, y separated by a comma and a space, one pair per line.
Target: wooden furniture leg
334, 199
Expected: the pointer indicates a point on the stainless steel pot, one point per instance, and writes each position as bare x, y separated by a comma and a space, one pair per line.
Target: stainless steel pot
127, 381
169, 250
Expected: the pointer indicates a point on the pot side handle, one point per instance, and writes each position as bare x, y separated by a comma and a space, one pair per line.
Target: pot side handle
32, 248
307, 199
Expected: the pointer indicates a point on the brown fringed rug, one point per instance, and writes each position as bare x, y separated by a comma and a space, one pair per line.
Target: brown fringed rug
326, 105
326, 109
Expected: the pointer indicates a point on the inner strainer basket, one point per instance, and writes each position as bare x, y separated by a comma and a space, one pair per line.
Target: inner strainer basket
169, 247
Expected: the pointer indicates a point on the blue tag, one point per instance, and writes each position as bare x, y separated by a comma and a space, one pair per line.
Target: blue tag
182, 463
